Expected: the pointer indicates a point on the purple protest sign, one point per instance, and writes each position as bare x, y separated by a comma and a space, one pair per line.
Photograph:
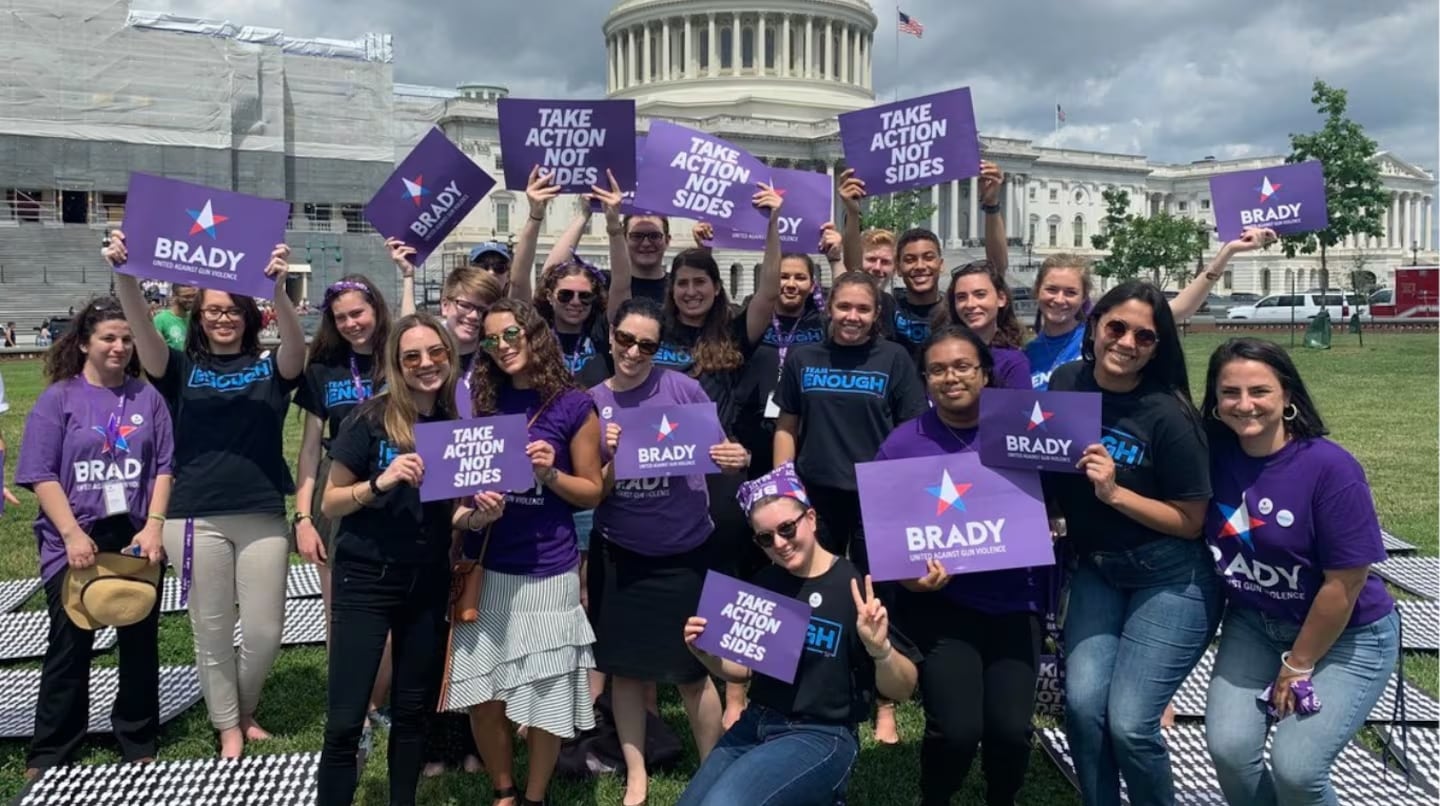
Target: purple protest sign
196, 235
806, 207
691, 174
429, 194
658, 441
1286, 198
953, 509
463, 457
1031, 430
578, 140
627, 198
754, 627
914, 143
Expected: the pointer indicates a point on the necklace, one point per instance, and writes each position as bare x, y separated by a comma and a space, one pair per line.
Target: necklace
964, 443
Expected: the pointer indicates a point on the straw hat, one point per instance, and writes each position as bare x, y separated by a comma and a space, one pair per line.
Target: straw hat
117, 591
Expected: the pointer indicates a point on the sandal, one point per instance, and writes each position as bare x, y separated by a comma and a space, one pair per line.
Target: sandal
506, 793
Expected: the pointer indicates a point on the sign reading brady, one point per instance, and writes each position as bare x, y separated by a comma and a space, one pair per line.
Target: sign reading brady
691, 174
952, 509
196, 235
1286, 198
431, 192
754, 627
806, 206
1037, 430
658, 441
912, 144
463, 457
577, 140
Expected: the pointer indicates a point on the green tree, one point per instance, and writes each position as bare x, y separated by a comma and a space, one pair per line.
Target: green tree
897, 212
1163, 245
1354, 198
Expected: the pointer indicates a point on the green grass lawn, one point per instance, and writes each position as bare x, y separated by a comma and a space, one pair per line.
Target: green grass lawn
1379, 401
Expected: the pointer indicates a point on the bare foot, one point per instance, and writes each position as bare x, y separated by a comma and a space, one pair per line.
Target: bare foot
232, 743
253, 731
432, 769
885, 730
636, 795
731, 716
473, 765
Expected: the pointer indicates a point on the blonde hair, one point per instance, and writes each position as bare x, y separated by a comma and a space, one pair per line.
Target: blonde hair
399, 411
876, 238
1067, 260
473, 281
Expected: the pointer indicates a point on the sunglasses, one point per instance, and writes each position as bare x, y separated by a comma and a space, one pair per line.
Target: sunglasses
566, 296
625, 341
494, 265
641, 237
511, 335
1144, 337
786, 530
439, 354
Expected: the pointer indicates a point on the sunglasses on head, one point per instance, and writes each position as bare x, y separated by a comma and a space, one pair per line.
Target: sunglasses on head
1144, 336
511, 335
625, 341
567, 295
786, 530
439, 354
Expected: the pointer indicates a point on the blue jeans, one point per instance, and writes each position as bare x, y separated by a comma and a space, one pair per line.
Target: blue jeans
584, 522
1139, 621
766, 759
1348, 681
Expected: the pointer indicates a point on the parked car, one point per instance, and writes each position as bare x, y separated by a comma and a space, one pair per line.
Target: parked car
1300, 307
1243, 298
1215, 305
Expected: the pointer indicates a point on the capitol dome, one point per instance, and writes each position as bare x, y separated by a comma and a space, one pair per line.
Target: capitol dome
803, 60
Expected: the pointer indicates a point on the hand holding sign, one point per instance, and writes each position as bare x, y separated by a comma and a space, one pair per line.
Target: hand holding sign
703, 232
730, 457
934, 579
488, 507
831, 241
852, 190
610, 199
114, 250
767, 199
542, 459
1251, 239
872, 621
400, 255
991, 180
1099, 467
279, 266
539, 190
407, 468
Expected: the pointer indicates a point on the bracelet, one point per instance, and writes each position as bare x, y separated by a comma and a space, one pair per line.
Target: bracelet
355, 496
375, 487
153, 516
470, 520
889, 649
533, 217
990, 209
1285, 661
1212, 277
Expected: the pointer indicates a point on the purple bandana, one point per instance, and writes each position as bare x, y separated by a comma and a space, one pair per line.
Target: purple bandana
340, 287
781, 481
1305, 700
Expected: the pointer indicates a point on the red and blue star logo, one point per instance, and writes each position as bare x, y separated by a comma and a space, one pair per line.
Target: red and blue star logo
1267, 189
1038, 416
948, 494
415, 189
205, 219
1239, 523
116, 436
665, 429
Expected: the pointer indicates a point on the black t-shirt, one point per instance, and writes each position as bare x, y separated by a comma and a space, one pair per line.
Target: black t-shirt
396, 528
905, 322
1160, 452
759, 378
835, 682
848, 400
588, 354
677, 345
229, 414
331, 391
654, 288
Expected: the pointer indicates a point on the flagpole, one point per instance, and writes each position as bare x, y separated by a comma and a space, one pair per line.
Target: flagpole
895, 91
1057, 115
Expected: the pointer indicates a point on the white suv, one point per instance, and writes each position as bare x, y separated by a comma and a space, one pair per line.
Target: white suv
1307, 305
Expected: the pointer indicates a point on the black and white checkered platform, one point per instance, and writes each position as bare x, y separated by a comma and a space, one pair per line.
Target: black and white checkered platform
1358, 776
1418, 575
304, 623
19, 689
1420, 749
274, 780
1395, 545
1420, 625
302, 582
27, 635
16, 592
1420, 708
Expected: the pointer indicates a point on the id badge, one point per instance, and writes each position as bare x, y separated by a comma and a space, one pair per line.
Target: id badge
772, 409
115, 503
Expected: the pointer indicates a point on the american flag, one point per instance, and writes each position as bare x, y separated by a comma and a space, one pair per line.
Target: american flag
1059, 113
910, 25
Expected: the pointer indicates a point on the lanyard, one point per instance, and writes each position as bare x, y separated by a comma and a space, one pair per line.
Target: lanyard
360, 394
784, 340
114, 440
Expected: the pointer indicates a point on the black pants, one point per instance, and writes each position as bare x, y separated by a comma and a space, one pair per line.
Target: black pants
837, 515
370, 600
62, 711
978, 683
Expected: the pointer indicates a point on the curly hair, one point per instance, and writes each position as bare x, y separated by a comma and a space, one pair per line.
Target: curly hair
572, 268
714, 350
65, 360
548, 373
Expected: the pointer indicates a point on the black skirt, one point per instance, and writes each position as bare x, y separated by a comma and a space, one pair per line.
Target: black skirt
638, 609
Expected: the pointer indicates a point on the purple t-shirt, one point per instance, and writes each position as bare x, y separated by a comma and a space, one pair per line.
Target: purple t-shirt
70, 438
1278, 522
1013, 590
1012, 368
657, 517
536, 535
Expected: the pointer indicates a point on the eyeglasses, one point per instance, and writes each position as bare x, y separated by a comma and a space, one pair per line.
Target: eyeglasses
1145, 338
625, 341
439, 354
642, 237
494, 265
216, 314
786, 530
511, 336
566, 296
941, 371
468, 308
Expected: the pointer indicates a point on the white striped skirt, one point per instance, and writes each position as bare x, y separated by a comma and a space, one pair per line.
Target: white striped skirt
531, 649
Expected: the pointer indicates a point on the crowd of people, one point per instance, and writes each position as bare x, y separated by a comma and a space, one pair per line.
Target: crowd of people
459, 627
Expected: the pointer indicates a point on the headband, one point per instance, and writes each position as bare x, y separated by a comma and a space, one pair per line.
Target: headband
340, 287
590, 268
781, 481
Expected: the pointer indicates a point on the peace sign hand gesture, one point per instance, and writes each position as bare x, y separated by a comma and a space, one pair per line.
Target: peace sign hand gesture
872, 622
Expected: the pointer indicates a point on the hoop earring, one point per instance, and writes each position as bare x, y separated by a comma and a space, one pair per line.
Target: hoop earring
1291, 412
1214, 412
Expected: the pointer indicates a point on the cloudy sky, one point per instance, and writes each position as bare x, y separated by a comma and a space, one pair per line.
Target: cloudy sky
1173, 79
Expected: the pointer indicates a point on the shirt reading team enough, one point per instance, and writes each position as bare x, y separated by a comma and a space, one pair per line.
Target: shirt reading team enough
229, 414
1277, 523
848, 399
656, 517
332, 391
69, 440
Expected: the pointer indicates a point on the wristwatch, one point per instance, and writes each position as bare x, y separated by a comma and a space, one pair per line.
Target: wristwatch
300, 516
374, 487
990, 209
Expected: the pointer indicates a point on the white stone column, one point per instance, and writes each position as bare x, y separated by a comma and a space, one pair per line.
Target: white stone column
869, 62
1427, 237
630, 69
646, 76
828, 52
665, 56
735, 44
1392, 221
934, 223
760, 45
784, 50
974, 207
688, 54
953, 189
609, 64
830, 172
809, 71
845, 53
714, 67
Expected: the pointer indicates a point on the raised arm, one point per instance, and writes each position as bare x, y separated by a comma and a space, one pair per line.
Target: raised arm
290, 357
539, 190
852, 190
610, 200
400, 255
1192, 296
569, 240
996, 250
149, 344
767, 291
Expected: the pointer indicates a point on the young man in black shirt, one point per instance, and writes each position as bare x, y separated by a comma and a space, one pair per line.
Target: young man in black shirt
806, 728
